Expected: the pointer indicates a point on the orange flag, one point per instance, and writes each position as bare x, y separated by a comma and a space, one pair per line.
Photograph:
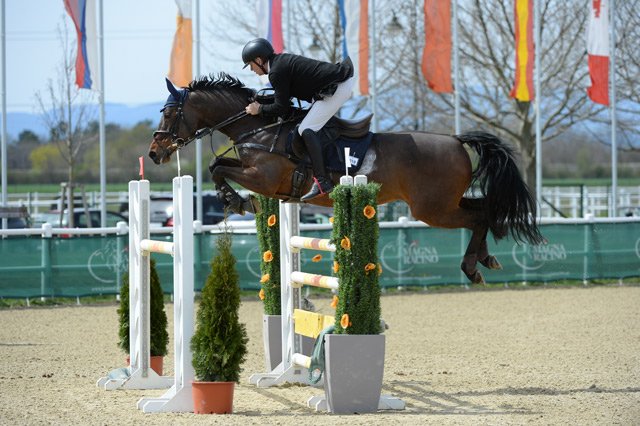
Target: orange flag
180, 71
523, 87
436, 57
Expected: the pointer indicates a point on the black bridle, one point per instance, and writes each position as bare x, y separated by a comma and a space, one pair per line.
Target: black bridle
178, 99
178, 142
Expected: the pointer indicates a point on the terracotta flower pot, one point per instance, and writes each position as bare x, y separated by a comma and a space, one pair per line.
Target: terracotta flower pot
212, 397
156, 364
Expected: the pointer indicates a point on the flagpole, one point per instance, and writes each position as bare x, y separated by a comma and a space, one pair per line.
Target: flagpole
612, 103
456, 68
103, 167
537, 50
374, 95
3, 150
198, 141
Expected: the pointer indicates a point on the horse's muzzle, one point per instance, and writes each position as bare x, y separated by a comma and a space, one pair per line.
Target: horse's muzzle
159, 157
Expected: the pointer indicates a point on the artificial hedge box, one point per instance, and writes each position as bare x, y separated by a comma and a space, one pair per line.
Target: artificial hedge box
355, 235
268, 232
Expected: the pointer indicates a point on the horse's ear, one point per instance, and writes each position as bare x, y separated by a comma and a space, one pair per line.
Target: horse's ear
172, 89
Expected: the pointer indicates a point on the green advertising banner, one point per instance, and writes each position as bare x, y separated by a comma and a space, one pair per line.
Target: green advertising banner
409, 256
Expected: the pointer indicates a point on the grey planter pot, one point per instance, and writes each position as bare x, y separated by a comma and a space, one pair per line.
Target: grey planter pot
353, 370
272, 335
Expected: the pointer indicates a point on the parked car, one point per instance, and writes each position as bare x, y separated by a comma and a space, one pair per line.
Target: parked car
161, 210
79, 218
16, 223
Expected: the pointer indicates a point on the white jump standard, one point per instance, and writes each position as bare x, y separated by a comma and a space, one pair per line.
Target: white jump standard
179, 397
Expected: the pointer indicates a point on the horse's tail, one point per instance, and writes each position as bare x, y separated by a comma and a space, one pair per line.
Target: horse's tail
508, 203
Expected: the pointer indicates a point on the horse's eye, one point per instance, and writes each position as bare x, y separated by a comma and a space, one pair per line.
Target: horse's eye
167, 114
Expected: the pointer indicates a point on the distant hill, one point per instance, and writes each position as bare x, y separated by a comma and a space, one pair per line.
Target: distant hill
123, 115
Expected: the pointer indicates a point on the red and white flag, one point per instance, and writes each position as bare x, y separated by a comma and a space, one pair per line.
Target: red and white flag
598, 50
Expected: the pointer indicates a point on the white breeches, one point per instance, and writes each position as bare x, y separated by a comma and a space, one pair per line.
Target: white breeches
322, 111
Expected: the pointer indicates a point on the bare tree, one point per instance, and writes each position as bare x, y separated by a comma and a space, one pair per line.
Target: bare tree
627, 26
67, 111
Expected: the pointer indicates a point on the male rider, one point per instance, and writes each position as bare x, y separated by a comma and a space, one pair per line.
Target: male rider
326, 85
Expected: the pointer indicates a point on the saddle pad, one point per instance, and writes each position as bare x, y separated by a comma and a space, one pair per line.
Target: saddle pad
334, 152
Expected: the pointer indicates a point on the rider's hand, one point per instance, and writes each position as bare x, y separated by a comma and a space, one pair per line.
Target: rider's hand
253, 108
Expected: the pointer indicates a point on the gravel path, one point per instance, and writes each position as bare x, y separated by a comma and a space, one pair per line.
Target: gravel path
566, 356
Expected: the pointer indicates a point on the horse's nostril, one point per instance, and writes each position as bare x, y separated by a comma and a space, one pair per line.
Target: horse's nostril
152, 155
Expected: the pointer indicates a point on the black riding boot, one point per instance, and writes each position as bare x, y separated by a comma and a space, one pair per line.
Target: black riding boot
321, 183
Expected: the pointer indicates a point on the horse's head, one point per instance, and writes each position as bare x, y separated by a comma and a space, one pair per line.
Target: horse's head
211, 103
174, 126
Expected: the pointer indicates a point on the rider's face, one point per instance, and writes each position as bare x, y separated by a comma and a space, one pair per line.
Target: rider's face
255, 68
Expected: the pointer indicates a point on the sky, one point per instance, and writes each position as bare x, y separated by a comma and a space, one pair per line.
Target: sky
137, 44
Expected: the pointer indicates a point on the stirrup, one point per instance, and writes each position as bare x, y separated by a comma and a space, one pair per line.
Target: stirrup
316, 190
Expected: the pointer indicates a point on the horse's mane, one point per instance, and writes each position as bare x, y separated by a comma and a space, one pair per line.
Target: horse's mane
221, 81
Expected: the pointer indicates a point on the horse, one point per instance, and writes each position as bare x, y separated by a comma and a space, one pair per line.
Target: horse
430, 172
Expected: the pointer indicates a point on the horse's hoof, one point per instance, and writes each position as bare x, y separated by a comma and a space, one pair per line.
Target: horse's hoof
478, 278
491, 262
475, 277
252, 205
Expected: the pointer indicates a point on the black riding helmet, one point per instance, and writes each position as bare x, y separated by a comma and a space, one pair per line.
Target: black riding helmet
257, 48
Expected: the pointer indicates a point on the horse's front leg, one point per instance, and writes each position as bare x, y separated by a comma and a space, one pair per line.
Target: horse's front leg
233, 170
225, 193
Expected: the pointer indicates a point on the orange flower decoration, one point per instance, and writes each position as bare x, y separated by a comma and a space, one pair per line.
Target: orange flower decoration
335, 302
379, 269
262, 294
272, 220
331, 219
265, 278
267, 256
336, 267
344, 322
369, 212
369, 267
317, 258
345, 243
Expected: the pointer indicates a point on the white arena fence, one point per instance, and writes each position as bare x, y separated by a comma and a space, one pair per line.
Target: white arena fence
573, 201
92, 261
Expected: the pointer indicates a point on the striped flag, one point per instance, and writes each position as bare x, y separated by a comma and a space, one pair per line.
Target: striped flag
436, 57
354, 15
269, 15
598, 51
83, 14
523, 87
180, 65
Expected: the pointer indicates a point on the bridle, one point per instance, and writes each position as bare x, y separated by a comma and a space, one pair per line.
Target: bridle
178, 142
178, 99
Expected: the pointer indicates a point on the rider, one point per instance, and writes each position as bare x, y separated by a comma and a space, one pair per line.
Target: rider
327, 85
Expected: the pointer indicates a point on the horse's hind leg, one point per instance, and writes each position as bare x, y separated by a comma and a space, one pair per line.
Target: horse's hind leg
487, 260
483, 256
460, 217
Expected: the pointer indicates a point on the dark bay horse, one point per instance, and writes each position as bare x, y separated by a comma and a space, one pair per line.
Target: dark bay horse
430, 172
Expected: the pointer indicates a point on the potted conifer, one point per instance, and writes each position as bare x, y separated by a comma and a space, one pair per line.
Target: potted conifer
159, 336
219, 342
354, 353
